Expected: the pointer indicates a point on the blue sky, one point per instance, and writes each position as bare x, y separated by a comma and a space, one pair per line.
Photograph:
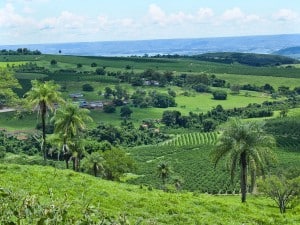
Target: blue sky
56, 21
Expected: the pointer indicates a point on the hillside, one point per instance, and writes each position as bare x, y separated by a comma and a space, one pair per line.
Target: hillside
249, 59
291, 52
82, 194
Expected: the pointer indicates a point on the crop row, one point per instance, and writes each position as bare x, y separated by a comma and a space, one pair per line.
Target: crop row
195, 138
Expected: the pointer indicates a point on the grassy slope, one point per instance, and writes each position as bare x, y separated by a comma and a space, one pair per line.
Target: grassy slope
154, 207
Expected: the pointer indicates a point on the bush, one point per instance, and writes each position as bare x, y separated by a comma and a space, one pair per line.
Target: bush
220, 95
94, 64
109, 108
53, 62
2, 152
100, 71
201, 88
87, 87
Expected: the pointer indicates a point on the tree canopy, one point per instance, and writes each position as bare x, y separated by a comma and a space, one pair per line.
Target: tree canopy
7, 83
244, 145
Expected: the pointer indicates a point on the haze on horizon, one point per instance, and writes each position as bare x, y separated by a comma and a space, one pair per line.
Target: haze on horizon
59, 21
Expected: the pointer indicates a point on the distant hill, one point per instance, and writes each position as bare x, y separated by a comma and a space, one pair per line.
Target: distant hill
249, 59
264, 44
291, 52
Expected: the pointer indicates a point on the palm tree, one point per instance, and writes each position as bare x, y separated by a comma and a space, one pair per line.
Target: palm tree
94, 162
43, 96
69, 123
164, 171
244, 145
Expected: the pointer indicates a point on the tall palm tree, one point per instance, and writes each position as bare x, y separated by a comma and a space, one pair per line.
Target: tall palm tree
69, 123
244, 145
163, 171
94, 162
43, 96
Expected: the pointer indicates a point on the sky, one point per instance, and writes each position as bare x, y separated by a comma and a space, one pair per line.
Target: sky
59, 21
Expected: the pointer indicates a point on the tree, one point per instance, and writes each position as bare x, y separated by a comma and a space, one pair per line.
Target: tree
7, 83
69, 122
53, 62
220, 95
161, 100
100, 71
170, 118
87, 87
117, 162
241, 143
282, 190
163, 170
125, 112
109, 108
93, 64
94, 162
43, 96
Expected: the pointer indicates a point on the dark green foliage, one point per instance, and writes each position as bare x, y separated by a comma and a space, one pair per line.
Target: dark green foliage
172, 93
170, 118
109, 108
297, 90
10, 143
93, 64
209, 125
268, 88
125, 112
116, 164
246, 58
87, 87
286, 132
53, 62
127, 135
219, 95
189, 162
100, 71
161, 100
246, 146
2, 152
20, 51
201, 88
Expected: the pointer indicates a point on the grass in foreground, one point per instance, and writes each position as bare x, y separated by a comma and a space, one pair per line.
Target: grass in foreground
151, 206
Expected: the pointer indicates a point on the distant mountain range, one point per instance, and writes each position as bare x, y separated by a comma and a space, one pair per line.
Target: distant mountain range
286, 45
293, 52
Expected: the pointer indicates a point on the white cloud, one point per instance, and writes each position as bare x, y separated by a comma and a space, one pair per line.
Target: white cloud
25, 22
157, 14
204, 14
238, 16
286, 15
233, 14
10, 18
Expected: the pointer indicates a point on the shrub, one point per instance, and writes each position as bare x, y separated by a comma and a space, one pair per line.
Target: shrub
220, 95
100, 71
2, 152
201, 88
87, 87
109, 108
53, 62
94, 64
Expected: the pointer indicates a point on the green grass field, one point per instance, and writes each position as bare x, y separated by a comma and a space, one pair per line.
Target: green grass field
78, 191
260, 80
